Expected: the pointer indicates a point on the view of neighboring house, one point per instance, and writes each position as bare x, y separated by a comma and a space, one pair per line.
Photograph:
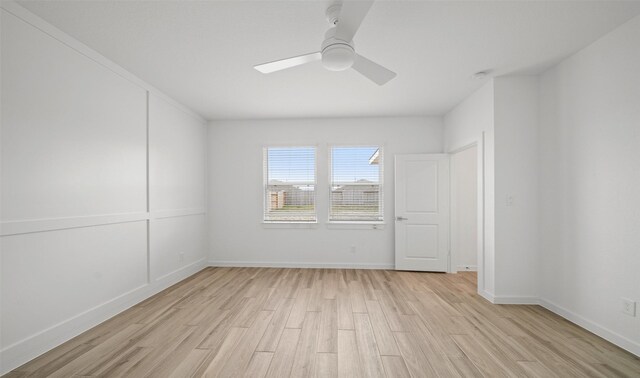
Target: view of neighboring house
362, 193
283, 195
355, 202
349, 200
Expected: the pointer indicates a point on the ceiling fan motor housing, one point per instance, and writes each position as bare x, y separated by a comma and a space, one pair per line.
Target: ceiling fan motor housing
337, 51
337, 55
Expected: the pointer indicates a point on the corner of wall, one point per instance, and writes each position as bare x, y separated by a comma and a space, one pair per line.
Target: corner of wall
516, 177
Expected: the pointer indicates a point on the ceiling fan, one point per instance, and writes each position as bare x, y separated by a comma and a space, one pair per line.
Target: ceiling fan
337, 51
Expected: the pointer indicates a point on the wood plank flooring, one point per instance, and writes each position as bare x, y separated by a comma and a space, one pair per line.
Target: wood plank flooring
261, 322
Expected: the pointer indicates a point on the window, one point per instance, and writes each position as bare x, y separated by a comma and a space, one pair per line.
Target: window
289, 184
356, 184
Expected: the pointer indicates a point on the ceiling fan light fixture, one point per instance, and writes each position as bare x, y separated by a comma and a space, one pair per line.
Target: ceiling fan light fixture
338, 57
337, 51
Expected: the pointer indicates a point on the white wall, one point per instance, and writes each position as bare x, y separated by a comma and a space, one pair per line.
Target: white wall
75, 211
505, 113
237, 235
516, 178
589, 185
177, 189
472, 121
464, 208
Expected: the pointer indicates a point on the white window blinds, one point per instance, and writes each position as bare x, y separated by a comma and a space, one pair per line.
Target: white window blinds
356, 184
289, 184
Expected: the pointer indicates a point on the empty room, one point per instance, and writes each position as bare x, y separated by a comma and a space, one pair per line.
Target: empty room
335, 188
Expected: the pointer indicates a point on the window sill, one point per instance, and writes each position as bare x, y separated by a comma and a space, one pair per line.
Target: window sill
337, 225
289, 224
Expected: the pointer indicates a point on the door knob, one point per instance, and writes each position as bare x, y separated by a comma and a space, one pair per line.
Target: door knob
401, 218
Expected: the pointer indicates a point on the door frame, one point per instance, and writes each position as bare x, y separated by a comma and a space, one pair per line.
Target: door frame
480, 203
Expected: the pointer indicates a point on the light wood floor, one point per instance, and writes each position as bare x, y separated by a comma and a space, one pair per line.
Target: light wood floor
259, 322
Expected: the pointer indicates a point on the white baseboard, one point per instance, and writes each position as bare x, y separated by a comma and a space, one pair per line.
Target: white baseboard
466, 268
25, 350
487, 295
613, 337
265, 264
508, 299
520, 300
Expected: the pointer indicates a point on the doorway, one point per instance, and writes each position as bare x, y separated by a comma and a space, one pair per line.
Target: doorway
464, 211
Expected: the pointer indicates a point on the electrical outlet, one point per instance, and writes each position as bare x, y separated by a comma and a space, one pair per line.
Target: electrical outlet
352, 249
628, 307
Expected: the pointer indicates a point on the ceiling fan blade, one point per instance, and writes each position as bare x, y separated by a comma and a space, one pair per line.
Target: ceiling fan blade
350, 18
372, 70
287, 63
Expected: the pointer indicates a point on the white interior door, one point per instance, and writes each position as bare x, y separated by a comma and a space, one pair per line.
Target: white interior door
422, 212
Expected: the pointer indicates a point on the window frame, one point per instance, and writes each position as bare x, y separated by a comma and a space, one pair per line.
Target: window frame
356, 224
265, 182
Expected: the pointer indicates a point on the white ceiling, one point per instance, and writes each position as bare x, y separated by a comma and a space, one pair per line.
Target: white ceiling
202, 53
